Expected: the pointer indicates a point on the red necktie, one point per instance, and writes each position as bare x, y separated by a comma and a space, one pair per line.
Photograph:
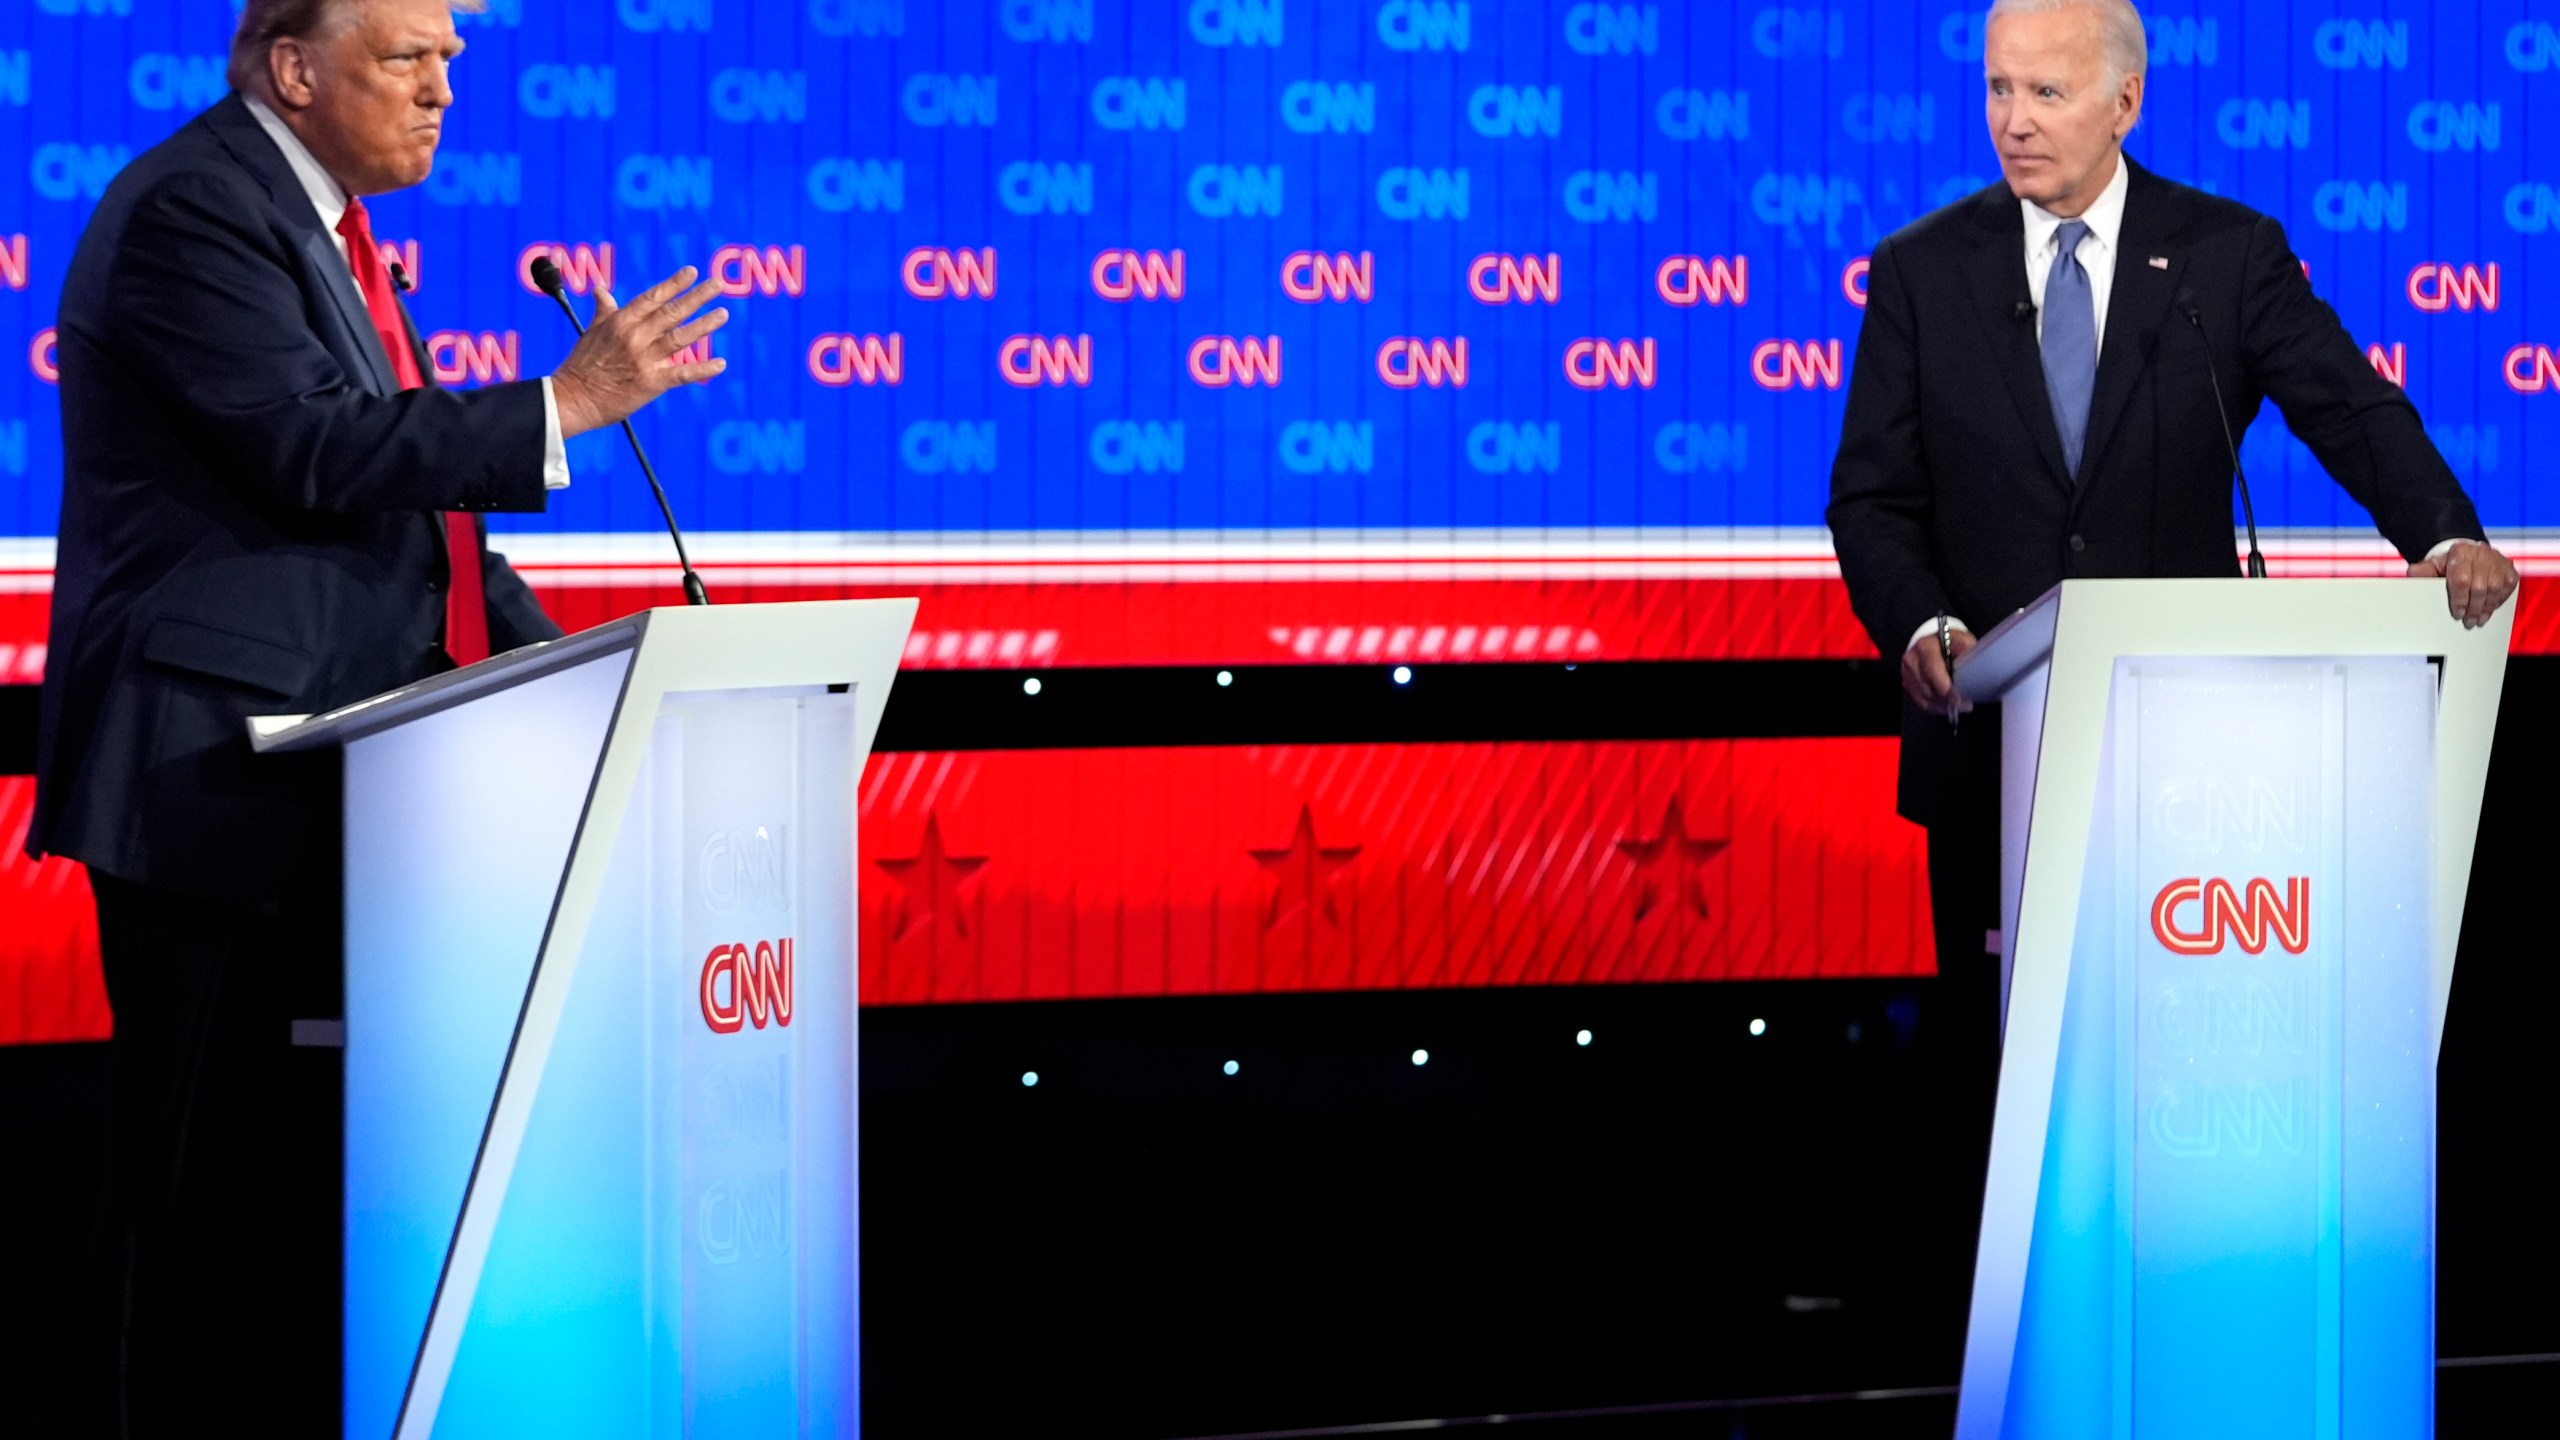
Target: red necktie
466, 612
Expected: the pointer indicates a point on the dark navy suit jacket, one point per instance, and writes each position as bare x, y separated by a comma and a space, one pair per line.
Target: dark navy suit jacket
1949, 492
248, 523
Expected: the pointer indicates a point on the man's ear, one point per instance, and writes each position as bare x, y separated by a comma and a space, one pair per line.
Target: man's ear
2130, 99
289, 74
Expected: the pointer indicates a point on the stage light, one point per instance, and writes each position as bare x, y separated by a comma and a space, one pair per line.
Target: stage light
1421, 1057
1404, 675
1759, 1026
1231, 1067
1226, 678
1031, 685
1030, 1078
1581, 1037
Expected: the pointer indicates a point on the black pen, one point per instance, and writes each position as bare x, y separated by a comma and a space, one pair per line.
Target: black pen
1947, 652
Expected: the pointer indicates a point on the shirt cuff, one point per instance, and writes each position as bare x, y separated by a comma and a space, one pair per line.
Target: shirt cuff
2443, 546
1929, 631
555, 451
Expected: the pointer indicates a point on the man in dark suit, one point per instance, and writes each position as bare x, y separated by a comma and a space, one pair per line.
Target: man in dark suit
2032, 402
265, 510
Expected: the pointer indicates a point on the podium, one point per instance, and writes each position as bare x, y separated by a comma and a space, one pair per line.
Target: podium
600, 1062
2237, 825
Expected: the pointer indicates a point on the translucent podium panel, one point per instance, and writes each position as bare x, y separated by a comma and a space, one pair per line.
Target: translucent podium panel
675, 1250
458, 827
2233, 1228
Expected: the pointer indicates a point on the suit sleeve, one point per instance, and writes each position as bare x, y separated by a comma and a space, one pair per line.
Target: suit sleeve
205, 304
2364, 429
1882, 504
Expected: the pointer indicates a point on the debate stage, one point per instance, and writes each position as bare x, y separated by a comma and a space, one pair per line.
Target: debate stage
1681, 1228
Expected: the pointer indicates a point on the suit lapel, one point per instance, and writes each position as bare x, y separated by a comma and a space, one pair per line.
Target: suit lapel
417, 347
321, 254
1996, 272
324, 267
2137, 306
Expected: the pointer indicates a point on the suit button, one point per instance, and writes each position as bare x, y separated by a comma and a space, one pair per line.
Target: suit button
2078, 544
434, 586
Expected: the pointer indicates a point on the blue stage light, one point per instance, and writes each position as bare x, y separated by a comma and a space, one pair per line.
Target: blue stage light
1404, 675
1759, 1026
1030, 1078
1421, 1057
1581, 1037
1231, 1067
1031, 685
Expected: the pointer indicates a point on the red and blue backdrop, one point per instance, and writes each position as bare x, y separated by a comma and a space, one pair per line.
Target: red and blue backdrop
1186, 332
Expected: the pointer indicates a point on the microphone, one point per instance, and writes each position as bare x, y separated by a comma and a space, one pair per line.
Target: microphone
400, 280
2025, 309
546, 275
2213, 374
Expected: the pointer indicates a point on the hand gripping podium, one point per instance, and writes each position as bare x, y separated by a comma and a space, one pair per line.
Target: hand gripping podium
2237, 823
600, 1119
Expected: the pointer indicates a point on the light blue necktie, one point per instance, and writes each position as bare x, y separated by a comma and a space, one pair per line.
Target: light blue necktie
2070, 344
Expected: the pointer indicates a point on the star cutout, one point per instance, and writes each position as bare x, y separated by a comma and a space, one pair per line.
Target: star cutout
1306, 872
1662, 863
930, 882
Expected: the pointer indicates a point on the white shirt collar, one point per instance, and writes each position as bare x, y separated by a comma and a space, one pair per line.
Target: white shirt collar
2105, 215
328, 197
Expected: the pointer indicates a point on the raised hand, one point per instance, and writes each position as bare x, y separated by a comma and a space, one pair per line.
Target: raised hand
625, 360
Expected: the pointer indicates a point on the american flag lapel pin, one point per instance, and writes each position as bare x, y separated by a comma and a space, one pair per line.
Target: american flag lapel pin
2159, 262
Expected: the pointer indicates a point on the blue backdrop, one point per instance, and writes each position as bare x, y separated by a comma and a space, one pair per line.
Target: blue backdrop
827, 141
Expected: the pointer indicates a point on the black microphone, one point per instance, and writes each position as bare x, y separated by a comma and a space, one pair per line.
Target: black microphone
546, 275
400, 280
2213, 374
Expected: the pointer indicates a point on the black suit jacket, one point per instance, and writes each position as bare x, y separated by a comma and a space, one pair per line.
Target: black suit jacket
248, 522
1949, 493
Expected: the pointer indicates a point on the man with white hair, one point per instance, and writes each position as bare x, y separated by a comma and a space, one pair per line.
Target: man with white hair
265, 510
2034, 400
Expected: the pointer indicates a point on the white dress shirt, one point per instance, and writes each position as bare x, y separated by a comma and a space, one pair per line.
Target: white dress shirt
329, 201
2105, 219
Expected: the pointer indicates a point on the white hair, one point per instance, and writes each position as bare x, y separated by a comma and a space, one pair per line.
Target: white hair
2128, 51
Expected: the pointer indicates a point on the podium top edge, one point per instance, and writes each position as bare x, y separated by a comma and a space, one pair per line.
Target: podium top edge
695, 630
453, 687
2231, 616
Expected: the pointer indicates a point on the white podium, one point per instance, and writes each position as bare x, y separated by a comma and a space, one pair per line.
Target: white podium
2237, 828
600, 1064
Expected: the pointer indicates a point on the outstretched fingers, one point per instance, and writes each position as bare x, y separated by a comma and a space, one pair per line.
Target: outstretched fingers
694, 372
649, 301
684, 335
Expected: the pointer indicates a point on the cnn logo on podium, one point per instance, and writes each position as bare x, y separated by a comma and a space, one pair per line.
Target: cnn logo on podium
2224, 913
743, 986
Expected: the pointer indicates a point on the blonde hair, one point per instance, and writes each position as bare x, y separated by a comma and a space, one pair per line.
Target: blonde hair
264, 22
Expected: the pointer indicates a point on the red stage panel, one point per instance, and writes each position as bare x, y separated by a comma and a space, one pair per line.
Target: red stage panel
49, 984
1245, 622
1006, 875
1129, 899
